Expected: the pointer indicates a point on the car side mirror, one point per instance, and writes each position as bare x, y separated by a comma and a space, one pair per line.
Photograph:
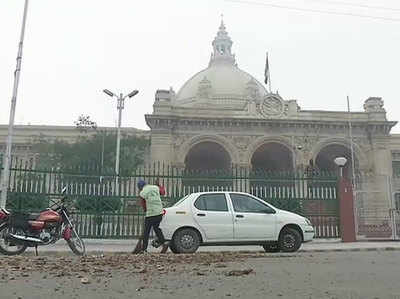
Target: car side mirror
269, 211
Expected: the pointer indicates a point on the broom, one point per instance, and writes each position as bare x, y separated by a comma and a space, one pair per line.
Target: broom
139, 245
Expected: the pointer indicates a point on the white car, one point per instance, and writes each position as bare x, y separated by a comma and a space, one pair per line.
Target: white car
232, 218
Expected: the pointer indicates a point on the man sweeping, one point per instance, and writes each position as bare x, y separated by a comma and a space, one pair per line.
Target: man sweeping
150, 194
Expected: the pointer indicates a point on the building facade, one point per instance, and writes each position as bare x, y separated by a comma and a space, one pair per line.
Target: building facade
223, 116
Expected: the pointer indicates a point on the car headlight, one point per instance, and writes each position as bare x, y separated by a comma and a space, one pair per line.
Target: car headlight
308, 222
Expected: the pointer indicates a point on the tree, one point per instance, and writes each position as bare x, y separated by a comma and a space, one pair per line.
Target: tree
84, 123
90, 150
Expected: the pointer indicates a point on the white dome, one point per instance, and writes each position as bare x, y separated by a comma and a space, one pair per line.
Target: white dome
222, 80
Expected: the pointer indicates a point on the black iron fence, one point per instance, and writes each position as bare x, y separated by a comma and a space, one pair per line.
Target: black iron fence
107, 208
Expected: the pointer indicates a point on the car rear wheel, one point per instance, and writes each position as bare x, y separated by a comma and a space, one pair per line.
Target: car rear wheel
289, 240
173, 247
186, 240
271, 247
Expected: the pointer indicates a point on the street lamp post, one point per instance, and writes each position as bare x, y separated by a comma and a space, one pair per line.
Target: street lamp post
120, 105
7, 156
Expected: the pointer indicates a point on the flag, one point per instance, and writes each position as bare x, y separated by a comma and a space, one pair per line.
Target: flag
266, 74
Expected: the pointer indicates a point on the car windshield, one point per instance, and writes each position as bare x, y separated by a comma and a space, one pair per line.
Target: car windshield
180, 201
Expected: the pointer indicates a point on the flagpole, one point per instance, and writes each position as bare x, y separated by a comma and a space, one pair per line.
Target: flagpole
351, 141
269, 76
7, 156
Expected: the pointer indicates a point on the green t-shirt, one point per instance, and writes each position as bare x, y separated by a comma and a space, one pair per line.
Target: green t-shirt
151, 194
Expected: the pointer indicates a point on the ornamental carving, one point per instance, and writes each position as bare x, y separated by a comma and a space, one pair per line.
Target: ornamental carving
204, 89
305, 143
179, 140
242, 156
252, 90
363, 143
241, 142
374, 104
273, 106
304, 146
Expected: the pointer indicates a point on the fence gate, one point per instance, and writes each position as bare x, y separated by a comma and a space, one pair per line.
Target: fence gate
395, 206
377, 214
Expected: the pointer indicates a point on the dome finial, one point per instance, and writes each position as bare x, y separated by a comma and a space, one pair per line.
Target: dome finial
222, 45
222, 26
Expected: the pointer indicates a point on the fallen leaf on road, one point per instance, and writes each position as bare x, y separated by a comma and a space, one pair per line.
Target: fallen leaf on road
85, 280
239, 272
220, 266
140, 270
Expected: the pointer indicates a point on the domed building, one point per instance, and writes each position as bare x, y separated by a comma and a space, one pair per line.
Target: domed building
223, 117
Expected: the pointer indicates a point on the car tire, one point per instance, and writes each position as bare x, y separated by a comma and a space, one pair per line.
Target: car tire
271, 247
289, 240
173, 247
186, 240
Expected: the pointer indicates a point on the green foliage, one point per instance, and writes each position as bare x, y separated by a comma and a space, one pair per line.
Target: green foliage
92, 204
88, 152
18, 201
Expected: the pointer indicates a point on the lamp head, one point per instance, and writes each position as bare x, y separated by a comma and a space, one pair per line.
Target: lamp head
106, 91
340, 161
133, 93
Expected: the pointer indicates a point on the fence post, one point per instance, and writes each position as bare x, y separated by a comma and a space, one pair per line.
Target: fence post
346, 203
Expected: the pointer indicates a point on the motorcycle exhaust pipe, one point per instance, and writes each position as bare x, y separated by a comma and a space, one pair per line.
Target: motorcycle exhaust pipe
22, 240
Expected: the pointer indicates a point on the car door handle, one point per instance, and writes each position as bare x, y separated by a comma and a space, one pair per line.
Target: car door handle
201, 214
239, 216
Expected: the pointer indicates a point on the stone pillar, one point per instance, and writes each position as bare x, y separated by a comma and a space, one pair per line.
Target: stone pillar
161, 149
378, 202
382, 159
346, 208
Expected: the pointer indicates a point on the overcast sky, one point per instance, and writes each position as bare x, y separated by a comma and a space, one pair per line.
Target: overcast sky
74, 49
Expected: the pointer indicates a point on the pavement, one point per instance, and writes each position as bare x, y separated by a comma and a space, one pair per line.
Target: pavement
99, 246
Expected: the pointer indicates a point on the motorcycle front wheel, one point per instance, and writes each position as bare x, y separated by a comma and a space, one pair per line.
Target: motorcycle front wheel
76, 243
7, 247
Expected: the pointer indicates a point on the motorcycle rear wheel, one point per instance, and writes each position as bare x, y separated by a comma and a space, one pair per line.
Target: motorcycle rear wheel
5, 246
76, 243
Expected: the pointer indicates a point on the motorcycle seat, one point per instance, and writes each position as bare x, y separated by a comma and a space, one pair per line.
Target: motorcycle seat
33, 216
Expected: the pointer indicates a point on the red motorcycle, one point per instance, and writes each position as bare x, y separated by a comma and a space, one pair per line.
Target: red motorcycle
20, 230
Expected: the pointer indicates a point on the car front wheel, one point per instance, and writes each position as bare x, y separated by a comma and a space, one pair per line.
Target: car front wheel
186, 240
172, 247
289, 240
271, 247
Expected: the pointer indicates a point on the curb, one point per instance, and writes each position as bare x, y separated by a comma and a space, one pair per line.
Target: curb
101, 252
351, 249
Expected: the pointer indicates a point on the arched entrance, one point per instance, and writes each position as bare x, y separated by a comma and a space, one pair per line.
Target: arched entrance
207, 156
272, 157
271, 175
324, 160
207, 168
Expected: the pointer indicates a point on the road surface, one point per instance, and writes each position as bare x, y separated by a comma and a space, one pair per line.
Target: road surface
366, 274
